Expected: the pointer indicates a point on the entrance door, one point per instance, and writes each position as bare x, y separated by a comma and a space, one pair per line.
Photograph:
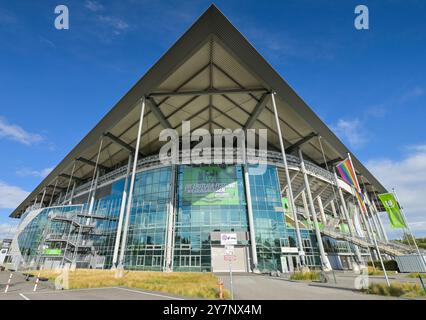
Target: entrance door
284, 264
293, 262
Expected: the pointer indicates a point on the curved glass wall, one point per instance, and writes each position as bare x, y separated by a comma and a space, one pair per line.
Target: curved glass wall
269, 223
210, 199
147, 227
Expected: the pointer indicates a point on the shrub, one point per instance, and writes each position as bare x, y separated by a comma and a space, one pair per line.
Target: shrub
390, 265
416, 275
398, 289
309, 276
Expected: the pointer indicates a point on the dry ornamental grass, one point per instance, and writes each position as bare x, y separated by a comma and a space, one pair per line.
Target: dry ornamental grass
198, 285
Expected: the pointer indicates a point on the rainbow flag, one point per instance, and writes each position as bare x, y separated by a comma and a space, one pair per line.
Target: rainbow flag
347, 173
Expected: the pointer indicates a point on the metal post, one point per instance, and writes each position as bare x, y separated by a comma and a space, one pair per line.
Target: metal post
374, 236
322, 212
42, 198
121, 216
53, 192
325, 263
422, 259
170, 221
305, 206
132, 185
381, 259
380, 222
333, 209
250, 220
232, 284
345, 211
72, 192
290, 189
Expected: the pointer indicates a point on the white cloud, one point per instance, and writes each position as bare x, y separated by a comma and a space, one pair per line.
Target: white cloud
26, 172
93, 6
351, 131
16, 133
7, 230
117, 24
408, 177
11, 196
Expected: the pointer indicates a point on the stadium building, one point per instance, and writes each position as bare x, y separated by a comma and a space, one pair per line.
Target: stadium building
111, 202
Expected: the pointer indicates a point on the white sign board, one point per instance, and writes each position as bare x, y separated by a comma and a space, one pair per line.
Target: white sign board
228, 239
289, 250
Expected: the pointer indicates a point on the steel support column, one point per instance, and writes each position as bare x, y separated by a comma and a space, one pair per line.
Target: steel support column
170, 222
250, 220
324, 259
359, 262
290, 189
121, 216
132, 185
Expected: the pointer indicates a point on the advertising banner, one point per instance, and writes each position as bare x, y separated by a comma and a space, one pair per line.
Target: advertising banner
210, 185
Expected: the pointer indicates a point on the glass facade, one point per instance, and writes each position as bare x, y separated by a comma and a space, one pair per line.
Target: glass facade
147, 227
201, 212
270, 228
209, 200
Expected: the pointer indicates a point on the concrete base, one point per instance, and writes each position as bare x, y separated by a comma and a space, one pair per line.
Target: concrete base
356, 268
326, 265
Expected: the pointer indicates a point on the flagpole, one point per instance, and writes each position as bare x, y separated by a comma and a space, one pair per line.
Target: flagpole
374, 236
409, 229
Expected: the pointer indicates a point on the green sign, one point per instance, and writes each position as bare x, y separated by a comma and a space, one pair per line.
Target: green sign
392, 208
210, 185
52, 252
285, 204
344, 228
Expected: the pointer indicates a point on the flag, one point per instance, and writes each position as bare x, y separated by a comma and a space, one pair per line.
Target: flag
347, 173
392, 208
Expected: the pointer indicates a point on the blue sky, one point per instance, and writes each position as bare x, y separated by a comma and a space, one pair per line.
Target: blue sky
369, 85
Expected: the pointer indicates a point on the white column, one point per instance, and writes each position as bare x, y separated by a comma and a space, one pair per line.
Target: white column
322, 212
333, 209
121, 216
42, 198
305, 206
93, 193
72, 193
380, 222
170, 221
345, 211
325, 263
250, 220
287, 177
132, 185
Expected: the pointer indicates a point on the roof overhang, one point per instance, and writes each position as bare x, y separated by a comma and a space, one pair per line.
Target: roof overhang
214, 77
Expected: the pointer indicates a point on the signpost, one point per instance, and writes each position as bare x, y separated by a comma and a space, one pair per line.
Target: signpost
229, 240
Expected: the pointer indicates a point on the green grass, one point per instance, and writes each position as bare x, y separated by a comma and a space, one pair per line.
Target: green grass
416, 275
189, 284
375, 272
399, 289
306, 276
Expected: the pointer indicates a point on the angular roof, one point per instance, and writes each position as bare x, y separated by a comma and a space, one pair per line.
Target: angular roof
214, 77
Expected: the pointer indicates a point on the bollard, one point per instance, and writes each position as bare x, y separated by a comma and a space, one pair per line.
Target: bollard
36, 283
8, 283
220, 289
